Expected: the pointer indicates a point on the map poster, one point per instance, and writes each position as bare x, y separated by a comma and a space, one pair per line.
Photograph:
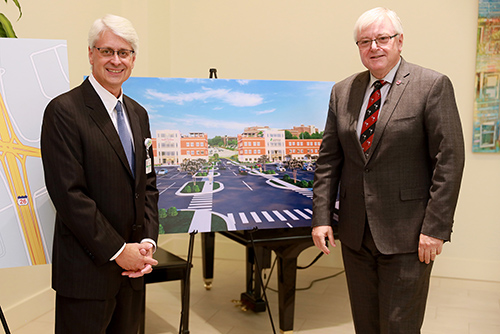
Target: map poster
32, 72
233, 154
487, 102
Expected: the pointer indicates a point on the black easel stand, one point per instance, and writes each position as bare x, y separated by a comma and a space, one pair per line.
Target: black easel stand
259, 273
187, 281
4, 322
213, 73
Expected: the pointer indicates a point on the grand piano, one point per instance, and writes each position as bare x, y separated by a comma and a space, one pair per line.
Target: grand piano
286, 243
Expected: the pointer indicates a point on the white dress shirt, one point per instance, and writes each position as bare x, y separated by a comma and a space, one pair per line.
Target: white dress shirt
389, 78
109, 101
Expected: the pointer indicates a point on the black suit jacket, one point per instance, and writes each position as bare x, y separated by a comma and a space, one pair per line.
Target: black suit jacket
409, 182
100, 206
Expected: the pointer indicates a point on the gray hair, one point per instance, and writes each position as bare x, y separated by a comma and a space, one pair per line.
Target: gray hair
118, 25
369, 17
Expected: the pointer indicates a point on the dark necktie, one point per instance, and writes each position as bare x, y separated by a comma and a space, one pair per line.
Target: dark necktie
125, 136
371, 116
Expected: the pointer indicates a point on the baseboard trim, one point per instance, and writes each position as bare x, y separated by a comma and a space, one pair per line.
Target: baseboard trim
29, 309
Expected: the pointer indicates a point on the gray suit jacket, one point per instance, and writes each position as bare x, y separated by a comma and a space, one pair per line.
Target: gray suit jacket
100, 206
409, 182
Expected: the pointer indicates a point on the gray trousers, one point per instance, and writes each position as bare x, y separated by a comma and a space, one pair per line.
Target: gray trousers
388, 293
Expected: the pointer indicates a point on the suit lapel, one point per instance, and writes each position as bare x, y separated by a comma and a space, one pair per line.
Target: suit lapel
358, 90
401, 80
99, 114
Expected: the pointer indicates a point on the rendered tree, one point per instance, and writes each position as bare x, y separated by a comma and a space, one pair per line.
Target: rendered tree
172, 211
262, 160
294, 165
191, 167
162, 213
305, 135
288, 135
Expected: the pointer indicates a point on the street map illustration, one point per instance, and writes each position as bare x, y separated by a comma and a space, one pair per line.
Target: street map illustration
32, 72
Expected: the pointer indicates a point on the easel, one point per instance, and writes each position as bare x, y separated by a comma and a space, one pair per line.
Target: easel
258, 273
185, 296
4, 322
213, 75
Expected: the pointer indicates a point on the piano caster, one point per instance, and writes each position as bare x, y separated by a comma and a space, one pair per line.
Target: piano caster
208, 284
238, 303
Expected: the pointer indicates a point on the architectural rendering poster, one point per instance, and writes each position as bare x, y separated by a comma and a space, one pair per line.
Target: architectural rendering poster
32, 72
233, 154
487, 103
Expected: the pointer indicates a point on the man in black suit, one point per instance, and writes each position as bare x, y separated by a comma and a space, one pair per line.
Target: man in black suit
399, 177
97, 157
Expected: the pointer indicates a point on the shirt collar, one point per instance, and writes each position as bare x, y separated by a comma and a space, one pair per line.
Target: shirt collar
108, 99
389, 77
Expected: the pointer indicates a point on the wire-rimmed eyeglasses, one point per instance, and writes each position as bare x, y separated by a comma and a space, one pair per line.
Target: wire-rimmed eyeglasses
108, 52
381, 41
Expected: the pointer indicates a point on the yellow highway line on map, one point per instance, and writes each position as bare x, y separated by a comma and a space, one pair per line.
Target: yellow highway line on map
12, 152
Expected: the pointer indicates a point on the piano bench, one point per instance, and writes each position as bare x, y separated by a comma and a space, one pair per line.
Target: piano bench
170, 268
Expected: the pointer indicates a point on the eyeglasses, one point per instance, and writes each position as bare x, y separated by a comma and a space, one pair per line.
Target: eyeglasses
108, 52
381, 41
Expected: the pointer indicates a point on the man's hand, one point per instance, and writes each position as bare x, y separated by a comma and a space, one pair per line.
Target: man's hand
429, 248
136, 259
319, 235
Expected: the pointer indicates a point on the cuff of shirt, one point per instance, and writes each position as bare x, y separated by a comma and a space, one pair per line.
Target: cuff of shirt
151, 241
118, 253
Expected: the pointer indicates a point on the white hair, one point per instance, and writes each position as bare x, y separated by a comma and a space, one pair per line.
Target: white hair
369, 17
118, 25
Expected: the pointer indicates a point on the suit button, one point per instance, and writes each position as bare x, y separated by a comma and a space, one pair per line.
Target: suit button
367, 170
134, 227
136, 195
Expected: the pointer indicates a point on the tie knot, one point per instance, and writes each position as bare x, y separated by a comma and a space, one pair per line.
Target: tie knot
377, 84
118, 106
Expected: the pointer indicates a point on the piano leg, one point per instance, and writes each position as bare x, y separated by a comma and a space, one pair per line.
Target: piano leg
252, 299
287, 278
208, 251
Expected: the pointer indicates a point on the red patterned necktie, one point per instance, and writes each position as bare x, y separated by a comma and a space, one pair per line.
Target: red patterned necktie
371, 116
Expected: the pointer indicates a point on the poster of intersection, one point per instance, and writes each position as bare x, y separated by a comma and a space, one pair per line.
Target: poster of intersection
233, 154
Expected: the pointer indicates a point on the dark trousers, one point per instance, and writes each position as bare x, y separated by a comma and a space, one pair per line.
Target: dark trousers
388, 293
118, 315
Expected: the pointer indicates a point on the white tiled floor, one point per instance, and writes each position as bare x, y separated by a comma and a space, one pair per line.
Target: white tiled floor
454, 306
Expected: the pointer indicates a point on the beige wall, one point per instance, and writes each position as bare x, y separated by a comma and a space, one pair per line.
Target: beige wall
284, 40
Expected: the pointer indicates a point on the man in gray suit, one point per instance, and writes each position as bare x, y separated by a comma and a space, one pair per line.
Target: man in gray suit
97, 155
393, 153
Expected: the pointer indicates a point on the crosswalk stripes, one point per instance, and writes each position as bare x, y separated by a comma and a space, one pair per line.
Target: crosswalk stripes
270, 217
291, 215
279, 215
202, 201
243, 218
255, 217
267, 216
305, 192
231, 218
300, 213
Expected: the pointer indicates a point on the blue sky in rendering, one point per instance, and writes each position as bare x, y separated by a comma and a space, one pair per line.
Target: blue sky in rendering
221, 107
